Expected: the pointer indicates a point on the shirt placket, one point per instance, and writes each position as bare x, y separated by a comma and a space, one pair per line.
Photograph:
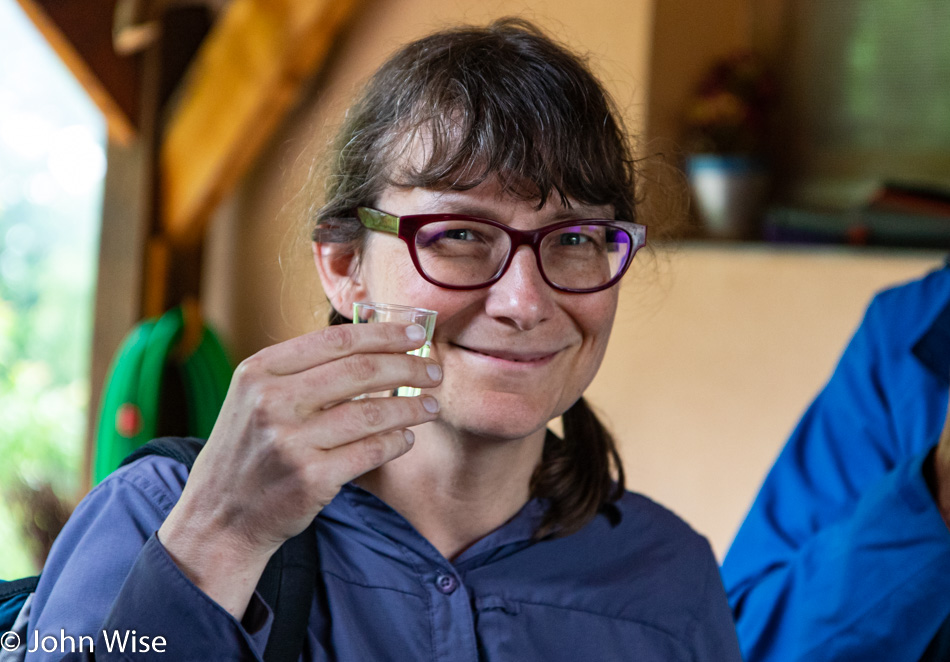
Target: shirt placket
453, 622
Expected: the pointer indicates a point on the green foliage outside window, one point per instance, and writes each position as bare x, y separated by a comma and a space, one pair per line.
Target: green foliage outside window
51, 170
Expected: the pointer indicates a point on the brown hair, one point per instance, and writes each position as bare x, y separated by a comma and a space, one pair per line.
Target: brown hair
503, 101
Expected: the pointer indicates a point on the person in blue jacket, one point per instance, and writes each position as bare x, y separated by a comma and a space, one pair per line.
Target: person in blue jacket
483, 174
845, 553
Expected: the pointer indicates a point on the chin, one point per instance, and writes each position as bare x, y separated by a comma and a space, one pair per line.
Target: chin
501, 416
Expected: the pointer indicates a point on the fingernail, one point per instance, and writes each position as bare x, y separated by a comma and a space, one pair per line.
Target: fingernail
415, 332
435, 372
431, 404
410, 437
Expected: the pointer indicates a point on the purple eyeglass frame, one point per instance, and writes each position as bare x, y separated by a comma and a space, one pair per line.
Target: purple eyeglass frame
406, 227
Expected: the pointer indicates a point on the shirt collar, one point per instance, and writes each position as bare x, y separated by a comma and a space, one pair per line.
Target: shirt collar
363, 509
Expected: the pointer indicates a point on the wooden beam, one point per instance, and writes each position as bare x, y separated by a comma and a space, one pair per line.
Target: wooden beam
243, 81
81, 35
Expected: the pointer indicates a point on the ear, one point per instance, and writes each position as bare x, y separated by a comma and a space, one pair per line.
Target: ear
339, 267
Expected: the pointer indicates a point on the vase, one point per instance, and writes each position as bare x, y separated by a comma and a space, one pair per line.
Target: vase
729, 192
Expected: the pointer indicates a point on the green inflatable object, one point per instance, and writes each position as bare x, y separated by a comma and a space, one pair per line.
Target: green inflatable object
132, 396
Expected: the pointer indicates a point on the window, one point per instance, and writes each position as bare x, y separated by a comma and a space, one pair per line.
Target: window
869, 89
52, 165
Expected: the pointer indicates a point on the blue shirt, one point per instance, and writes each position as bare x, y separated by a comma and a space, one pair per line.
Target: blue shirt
844, 555
646, 588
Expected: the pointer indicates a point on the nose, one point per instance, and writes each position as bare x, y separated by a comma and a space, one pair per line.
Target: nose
520, 296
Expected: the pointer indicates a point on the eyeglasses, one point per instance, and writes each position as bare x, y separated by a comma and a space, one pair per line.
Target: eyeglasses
461, 252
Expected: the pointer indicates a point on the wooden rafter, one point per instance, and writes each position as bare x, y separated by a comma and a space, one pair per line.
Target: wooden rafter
243, 81
81, 35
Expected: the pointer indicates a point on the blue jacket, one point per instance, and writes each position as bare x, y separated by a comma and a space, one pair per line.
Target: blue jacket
646, 588
844, 555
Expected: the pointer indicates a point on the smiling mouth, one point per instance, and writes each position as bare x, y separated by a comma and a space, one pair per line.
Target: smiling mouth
506, 355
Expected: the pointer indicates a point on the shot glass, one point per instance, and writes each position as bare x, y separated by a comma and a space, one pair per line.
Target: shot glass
367, 312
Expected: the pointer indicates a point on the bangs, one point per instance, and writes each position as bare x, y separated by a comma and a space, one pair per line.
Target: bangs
458, 108
531, 160
537, 122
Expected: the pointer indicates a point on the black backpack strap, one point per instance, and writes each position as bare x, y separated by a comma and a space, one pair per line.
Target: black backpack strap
18, 587
183, 449
288, 585
290, 577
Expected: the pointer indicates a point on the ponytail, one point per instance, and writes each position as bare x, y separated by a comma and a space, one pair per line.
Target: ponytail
575, 473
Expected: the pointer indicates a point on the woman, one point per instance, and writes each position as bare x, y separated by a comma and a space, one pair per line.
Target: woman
483, 174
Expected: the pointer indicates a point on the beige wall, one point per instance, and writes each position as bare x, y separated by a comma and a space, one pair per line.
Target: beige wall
717, 349
716, 352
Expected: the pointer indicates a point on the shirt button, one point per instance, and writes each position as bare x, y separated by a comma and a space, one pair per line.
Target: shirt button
446, 583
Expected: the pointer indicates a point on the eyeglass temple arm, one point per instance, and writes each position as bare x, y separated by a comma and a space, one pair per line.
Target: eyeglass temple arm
373, 219
342, 230
641, 235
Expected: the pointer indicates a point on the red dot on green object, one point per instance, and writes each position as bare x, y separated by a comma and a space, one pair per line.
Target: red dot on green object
128, 420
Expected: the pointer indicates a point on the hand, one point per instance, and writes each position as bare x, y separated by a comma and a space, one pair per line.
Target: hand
288, 437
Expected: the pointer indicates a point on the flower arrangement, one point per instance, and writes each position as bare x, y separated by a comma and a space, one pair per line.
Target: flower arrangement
728, 112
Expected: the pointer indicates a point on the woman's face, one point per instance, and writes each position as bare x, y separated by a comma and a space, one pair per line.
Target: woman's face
515, 354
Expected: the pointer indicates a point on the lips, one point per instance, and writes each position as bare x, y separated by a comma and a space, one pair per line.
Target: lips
510, 355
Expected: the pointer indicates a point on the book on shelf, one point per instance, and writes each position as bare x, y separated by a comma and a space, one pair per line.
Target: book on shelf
896, 214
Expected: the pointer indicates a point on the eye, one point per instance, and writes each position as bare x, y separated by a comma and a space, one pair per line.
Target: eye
584, 236
460, 234
449, 233
573, 239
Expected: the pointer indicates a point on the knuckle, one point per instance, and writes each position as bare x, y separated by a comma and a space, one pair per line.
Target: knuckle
262, 423
264, 402
371, 412
374, 452
338, 337
302, 410
361, 367
247, 370
265, 397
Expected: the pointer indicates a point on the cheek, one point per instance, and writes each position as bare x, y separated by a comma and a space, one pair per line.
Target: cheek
594, 314
595, 319
391, 277
387, 270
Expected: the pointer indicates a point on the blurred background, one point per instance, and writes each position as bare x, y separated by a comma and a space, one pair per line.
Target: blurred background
164, 155
52, 168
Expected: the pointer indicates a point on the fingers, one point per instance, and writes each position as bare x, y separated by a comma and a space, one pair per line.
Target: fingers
358, 419
334, 342
346, 463
292, 399
358, 436
290, 434
344, 379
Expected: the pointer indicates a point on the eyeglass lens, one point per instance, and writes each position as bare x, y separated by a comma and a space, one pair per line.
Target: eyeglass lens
465, 253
